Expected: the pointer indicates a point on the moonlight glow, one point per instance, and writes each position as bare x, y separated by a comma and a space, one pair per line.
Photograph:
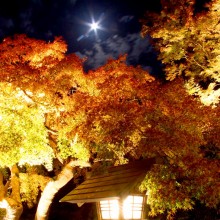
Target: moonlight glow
94, 26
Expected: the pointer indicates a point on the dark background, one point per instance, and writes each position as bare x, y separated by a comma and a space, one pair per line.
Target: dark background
119, 33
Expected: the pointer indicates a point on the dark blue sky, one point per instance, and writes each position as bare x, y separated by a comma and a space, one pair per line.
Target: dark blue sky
120, 32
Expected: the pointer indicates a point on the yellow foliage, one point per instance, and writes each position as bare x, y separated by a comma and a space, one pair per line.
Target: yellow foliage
189, 45
135, 137
23, 136
31, 185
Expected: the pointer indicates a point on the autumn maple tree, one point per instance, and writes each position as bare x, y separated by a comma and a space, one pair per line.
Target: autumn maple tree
187, 37
52, 112
141, 117
132, 115
31, 92
181, 136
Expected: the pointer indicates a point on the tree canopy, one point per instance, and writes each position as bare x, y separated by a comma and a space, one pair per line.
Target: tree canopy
187, 38
52, 112
23, 136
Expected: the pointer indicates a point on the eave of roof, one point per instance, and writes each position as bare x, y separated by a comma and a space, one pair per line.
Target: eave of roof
117, 183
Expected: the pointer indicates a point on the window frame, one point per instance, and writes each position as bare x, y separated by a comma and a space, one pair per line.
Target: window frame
136, 207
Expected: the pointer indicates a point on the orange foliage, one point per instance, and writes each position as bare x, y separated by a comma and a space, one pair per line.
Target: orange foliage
118, 112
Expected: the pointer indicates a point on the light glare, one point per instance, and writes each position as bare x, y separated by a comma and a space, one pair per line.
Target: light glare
132, 208
110, 209
94, 26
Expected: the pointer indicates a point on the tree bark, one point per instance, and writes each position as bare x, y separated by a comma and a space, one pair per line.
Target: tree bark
53, 187
12, 204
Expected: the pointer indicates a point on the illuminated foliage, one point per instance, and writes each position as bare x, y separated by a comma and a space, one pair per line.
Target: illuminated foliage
36, 54
188, 41
113, 114
135, 116
2, 213
50, 109
45, 81
36, 85
171, 187
179, 127
32, 185
23, 136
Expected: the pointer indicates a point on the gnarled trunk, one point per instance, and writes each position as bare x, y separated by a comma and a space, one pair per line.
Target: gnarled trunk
53, 187
13, 209
12, 204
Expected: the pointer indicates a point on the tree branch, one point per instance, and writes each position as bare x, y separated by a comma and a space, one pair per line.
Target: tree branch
54, 186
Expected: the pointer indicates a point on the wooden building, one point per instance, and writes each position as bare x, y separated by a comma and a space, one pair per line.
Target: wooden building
116, 192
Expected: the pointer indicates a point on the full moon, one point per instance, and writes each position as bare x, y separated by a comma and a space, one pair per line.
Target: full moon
94, 26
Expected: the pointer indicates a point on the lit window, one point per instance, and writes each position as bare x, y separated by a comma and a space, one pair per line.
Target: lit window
132, 208
109, 209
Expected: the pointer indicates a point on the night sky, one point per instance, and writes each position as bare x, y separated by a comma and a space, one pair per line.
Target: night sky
119, 31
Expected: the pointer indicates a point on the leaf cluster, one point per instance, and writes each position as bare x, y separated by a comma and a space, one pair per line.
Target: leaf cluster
23, 136
31, 185
188, 44
114, 113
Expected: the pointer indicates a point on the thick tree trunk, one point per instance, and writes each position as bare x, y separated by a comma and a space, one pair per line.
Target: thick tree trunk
13, 209
53, 187
11, 204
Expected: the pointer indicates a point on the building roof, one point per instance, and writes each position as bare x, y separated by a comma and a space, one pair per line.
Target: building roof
117, 183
